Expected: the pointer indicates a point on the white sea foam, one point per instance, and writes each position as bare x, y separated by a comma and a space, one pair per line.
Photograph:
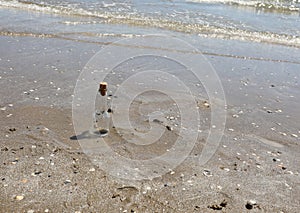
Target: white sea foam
268, 5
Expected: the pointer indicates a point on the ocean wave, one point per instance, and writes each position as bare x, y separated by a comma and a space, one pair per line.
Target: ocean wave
204, 30
46, 8
280, 6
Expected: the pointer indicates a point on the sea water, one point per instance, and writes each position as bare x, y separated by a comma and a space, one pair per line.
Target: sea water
260, 21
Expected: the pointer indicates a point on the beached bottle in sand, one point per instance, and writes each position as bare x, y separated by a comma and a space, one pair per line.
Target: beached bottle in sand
101, 116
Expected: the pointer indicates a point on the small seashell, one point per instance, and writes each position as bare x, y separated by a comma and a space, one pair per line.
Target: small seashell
207, 173
252, 202
294, 135
283, 133
67, 181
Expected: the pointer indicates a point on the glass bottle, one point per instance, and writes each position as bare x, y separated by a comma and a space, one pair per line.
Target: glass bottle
101, 116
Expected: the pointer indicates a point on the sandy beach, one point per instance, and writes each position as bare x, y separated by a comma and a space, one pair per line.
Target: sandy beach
203, 98
43, 169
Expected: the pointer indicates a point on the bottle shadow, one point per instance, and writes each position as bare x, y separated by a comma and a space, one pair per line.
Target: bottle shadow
87, 135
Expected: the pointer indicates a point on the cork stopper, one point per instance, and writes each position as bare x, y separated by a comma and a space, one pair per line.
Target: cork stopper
103, 88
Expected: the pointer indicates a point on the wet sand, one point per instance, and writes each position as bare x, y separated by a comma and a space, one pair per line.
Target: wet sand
43, 169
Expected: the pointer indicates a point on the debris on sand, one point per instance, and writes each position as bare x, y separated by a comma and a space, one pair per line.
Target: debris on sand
169, 128
220, 206
12, 129
207, 173
250, 204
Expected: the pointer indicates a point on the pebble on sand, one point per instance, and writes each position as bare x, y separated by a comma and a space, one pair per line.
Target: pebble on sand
19, 197
24, 180
250, 204
206, 104
169, 128
226, 169
91, 169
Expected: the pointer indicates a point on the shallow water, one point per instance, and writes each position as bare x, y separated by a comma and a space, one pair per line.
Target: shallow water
237, 20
